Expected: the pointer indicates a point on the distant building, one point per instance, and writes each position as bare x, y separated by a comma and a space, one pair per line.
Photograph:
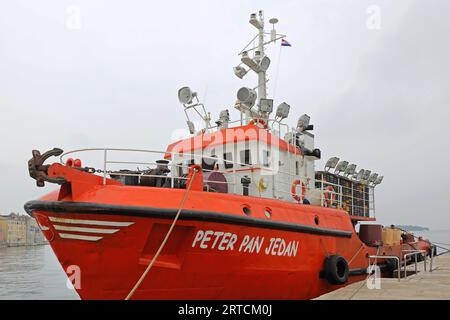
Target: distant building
20, 230
34, 233
3, 231
17, 230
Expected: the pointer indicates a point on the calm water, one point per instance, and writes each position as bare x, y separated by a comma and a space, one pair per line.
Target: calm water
34, 273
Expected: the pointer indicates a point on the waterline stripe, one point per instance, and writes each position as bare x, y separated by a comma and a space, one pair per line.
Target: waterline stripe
91, 222
88, 230
79, 237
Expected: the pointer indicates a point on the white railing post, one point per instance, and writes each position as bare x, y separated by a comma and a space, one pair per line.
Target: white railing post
105, 159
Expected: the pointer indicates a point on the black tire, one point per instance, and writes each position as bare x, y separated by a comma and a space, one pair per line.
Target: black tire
391, 264
336, 270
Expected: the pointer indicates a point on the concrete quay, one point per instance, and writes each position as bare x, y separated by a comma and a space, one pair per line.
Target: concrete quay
424, 285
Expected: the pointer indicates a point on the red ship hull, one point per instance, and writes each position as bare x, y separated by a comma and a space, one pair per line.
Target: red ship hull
110, 233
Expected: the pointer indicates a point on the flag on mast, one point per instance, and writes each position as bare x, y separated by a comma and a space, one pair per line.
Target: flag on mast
285, 43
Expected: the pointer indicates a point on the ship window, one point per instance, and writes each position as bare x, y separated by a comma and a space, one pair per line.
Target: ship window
245, 157
246, 210
180, 169
297, 168
266, 158
228, 160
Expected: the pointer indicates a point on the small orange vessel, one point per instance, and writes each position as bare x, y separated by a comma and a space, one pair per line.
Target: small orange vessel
234, 211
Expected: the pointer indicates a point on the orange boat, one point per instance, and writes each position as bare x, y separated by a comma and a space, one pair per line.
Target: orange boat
234, 211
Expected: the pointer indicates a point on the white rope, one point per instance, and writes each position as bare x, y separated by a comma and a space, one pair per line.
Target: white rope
365, 280
138, 283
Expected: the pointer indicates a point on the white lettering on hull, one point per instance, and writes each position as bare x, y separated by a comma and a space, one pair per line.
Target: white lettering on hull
226, 241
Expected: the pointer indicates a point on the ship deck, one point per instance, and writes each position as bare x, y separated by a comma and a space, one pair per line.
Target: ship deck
423, 285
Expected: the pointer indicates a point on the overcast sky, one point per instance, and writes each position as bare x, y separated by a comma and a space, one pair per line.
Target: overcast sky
377, 90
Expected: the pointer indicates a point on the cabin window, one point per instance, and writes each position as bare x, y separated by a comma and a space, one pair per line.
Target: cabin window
297, 168
245, 157
266, 158
228, 160
180, 169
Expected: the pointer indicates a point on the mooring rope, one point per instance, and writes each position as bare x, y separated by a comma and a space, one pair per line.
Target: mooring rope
365, 281
138, 283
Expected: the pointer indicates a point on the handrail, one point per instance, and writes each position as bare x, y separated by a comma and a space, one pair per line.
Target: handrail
337, 189
388, 257
415, 253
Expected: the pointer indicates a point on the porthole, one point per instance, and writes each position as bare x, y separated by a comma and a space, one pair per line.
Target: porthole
268, 213
316, 220
246, 210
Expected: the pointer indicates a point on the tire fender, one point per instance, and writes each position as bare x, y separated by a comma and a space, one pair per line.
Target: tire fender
336, 269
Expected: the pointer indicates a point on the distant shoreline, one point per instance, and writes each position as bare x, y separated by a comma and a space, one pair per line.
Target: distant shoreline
412, 228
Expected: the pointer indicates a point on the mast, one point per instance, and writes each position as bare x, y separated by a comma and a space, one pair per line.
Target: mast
259, 62
262, 73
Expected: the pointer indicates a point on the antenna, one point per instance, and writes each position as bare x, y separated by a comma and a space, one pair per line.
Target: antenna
259, 63
273, 32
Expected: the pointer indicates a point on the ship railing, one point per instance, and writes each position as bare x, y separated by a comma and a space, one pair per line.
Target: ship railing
140, 173
388, 257
415, 253
108, 161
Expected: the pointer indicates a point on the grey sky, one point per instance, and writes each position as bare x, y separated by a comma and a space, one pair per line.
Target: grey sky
379, 98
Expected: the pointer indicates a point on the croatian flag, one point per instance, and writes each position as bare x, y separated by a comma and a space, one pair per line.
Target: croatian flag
284, 43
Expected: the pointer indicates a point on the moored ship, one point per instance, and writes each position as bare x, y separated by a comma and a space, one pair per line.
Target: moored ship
236, 210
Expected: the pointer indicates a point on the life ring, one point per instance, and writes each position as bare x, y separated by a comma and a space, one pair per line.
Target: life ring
297, 197
336, 270
329, 195
261, 123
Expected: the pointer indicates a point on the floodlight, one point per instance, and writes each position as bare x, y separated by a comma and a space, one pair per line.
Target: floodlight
331, 163
191, 127
249, 62
185, 95
366, 175
246, 96
373, 177
359, 175
341, 166
240, 72
254, 21
303, 123
378, 180
264, 64
265, 105
350, 170
283, 110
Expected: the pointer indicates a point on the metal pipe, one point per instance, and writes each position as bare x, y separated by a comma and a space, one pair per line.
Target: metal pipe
389, 257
